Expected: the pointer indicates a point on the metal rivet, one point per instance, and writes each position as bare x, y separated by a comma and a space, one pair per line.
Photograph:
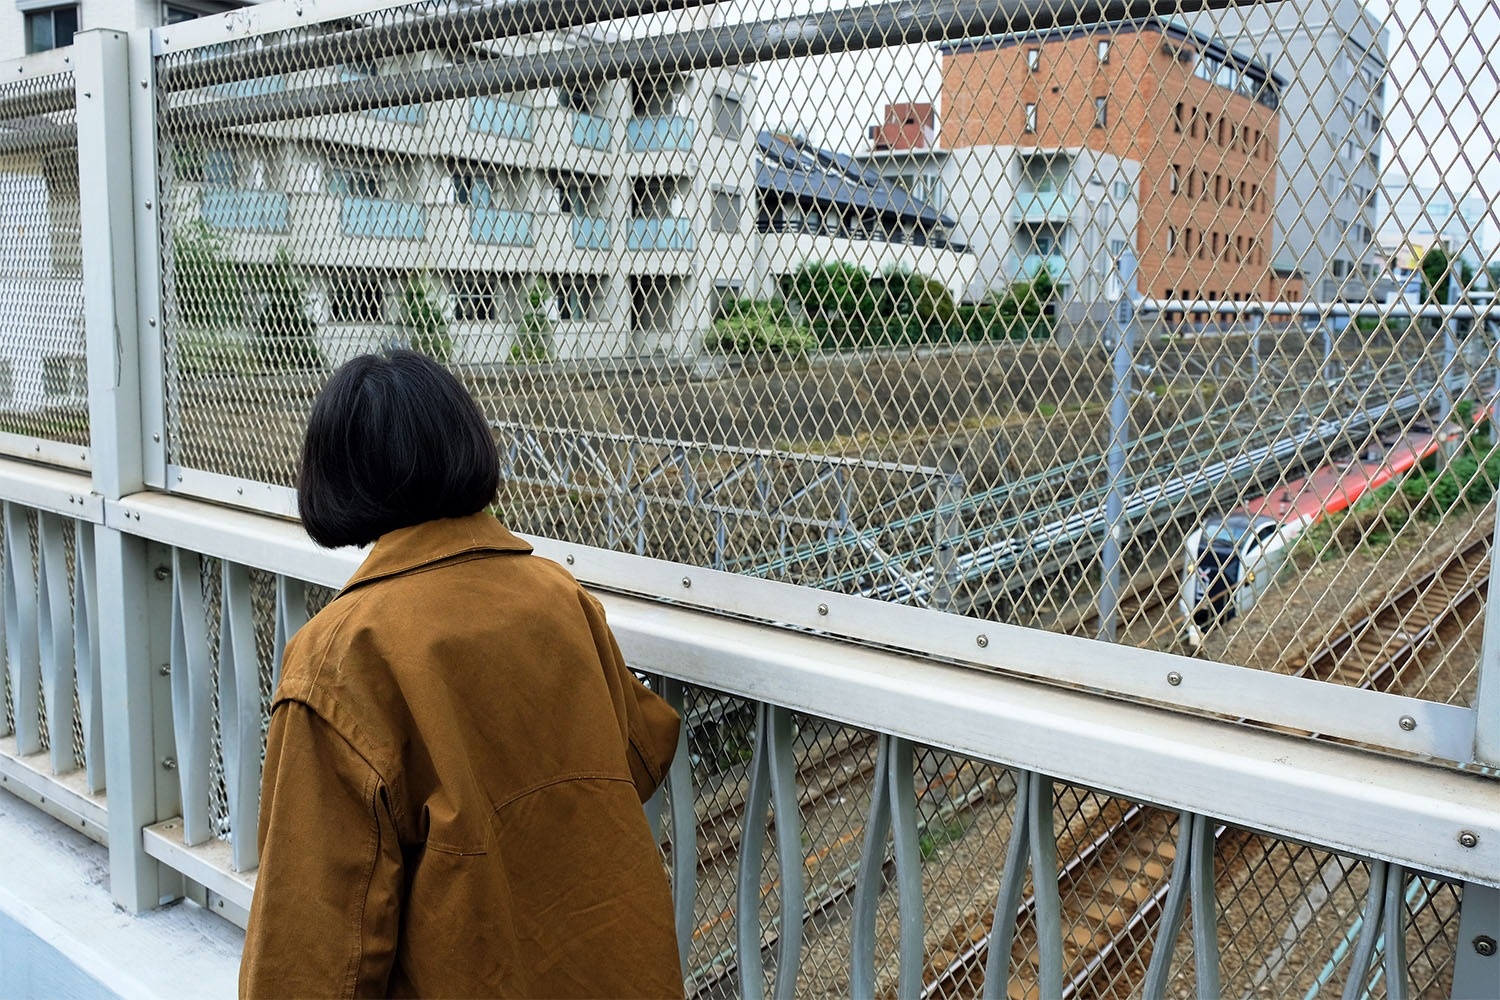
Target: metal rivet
143, 84
151, 321
88, 94
1408, 723
687, 581
570, 560
168, 764
156, 436
1468, 838
822, 609
981, 641
1174, 678
1484, 945
240, 490
148, 206
162, 572
165, 670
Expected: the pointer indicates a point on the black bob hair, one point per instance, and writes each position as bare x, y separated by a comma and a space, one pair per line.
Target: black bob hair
394, 440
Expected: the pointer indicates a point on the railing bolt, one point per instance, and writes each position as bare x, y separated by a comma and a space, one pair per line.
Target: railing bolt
687, 581
1174, 678
1468, 838
822, 609
156, 436
165, 670
571, 560
168, 764
162, 572
981, 641
1485, 945
1408, 723
148, 206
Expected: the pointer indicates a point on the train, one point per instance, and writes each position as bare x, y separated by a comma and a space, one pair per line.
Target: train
1232, 558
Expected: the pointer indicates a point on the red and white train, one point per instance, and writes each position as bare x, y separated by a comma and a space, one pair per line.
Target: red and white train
1231, 560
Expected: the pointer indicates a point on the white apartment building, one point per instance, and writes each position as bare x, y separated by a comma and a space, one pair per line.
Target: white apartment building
1418, 217
1021, 209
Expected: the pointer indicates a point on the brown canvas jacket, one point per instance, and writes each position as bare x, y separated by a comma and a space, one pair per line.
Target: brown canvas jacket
453, 783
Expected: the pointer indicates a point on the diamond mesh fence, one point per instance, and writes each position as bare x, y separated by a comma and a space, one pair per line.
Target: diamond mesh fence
43, 372
1174, 330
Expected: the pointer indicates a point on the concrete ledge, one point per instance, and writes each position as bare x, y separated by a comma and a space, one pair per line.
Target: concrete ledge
62, 936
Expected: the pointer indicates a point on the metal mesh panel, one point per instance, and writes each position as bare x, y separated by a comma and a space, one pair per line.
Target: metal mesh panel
923, 320
43, 374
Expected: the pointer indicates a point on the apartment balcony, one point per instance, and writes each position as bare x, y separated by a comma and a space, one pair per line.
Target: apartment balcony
1044, 206
507, 119
383, 219
239, 210
590, 233
1055, 264
661, 133
660, 234
503, 226
591, 131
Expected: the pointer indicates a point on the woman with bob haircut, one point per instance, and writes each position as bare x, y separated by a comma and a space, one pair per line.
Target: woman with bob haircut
458, 755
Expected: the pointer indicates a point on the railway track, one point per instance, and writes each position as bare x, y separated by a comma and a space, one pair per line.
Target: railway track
1113, 887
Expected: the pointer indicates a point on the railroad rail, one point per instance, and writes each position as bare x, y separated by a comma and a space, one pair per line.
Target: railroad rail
1108, 930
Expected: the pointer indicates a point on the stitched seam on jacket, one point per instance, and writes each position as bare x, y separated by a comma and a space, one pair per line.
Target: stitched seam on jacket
352, 988
561, 780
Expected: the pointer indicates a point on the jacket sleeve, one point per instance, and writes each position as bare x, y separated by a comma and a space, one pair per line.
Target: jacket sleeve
326, 909
651, 726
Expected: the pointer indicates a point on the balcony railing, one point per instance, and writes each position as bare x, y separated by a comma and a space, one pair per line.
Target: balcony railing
661, 234
383, 219
499, 225
590, 233
1044, 206
503, 118
665, 132
245, 211
591, 131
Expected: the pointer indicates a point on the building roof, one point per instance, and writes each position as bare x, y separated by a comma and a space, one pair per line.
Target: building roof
1206, 44
796, 168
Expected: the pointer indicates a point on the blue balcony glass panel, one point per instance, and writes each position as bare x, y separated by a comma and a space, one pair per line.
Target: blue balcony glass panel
1045, 206
383, 220
513, 121
591, 131
498, 225
1032, 264
244, 211
665, 132
591, 234
661, 234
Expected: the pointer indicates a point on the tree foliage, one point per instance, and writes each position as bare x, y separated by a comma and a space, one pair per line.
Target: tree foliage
205, 281
534, 336
285, 333
426, 324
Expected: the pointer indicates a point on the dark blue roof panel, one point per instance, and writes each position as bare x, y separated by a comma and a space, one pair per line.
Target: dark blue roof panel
801, 170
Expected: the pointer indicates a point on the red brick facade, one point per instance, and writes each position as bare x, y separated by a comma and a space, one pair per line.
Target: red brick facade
1207, 153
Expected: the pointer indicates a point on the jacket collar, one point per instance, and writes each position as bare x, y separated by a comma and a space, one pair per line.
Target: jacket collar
406, 549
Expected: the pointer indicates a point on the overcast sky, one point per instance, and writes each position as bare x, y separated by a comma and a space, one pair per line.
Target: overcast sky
1442, 103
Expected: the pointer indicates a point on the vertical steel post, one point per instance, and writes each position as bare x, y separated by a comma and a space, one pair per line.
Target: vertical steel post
1123, 319
946, 578
1450, 355
137, 724
1476, 966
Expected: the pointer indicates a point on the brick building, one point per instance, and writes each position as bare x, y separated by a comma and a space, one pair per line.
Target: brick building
1201, 121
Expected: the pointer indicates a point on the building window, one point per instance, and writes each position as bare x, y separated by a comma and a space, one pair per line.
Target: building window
728, 115
1031, 117
1120, 190
353, 182
727, 209
1173, 179
1101, 112
51, 28
474, 298
1033, 59
356, 298
577, 297
1116, 249
1171, 239
1351, 149
1102, 48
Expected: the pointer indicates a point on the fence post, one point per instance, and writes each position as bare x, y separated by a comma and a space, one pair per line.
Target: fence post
135, 708
1124, 321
